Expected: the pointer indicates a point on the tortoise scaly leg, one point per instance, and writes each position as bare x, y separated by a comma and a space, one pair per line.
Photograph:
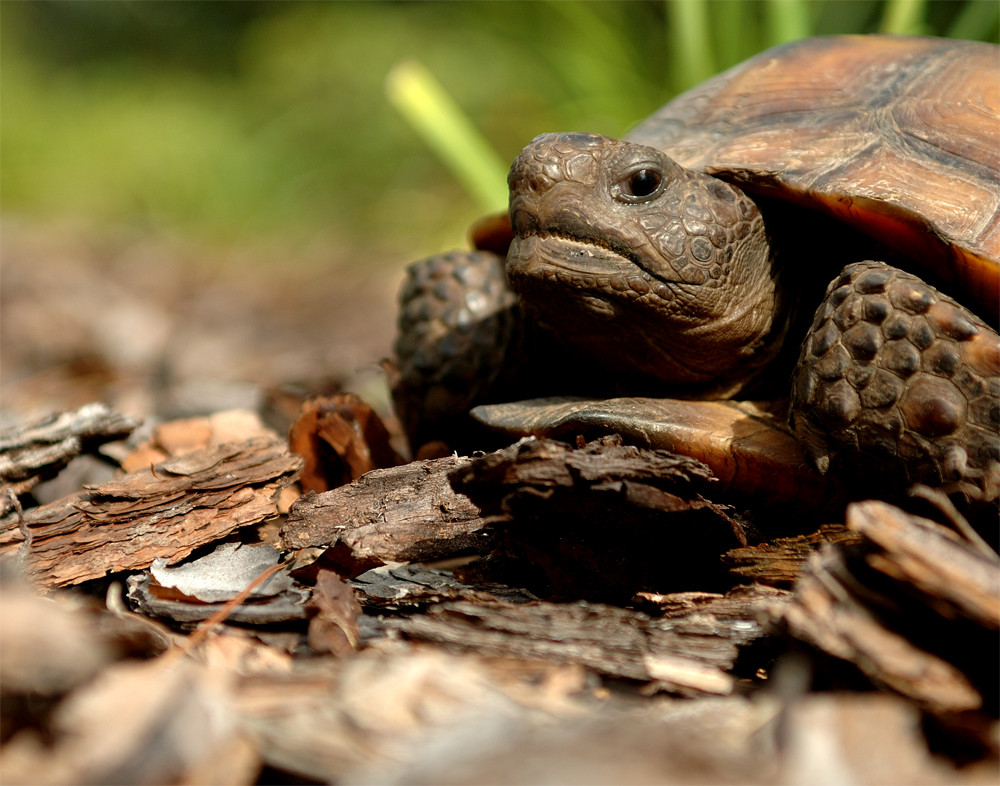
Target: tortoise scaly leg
459, 323
898, 384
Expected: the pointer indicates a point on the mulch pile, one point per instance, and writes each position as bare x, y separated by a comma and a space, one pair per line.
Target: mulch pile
233, 599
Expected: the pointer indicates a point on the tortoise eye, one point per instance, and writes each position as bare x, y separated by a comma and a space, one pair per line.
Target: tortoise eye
638, 185
644, 182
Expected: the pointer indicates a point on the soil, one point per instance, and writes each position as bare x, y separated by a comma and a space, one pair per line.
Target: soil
156, 325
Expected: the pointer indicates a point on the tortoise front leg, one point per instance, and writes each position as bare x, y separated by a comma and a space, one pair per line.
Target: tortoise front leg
458, 334
899, 384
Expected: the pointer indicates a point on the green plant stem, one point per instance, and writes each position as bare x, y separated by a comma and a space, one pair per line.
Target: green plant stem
903, 17
786, 20
692, 60
436, 118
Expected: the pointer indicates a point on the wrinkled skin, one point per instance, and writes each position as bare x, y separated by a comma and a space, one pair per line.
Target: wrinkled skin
650, 268
653, 268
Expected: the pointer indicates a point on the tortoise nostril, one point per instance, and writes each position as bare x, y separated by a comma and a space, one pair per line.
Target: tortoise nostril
523, 222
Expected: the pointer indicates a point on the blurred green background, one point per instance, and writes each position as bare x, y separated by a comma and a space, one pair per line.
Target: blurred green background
245, 122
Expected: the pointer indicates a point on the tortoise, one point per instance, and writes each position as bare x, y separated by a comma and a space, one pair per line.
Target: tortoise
859, 174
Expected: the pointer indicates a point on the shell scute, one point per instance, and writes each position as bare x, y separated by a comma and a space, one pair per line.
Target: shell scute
897, 136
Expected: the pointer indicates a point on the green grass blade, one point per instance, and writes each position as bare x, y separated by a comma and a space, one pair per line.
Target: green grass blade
735, 32
601, 67
786, 20
904, 17
444, 128
689, 42
978, 20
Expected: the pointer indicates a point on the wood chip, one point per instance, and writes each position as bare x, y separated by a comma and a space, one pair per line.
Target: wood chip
346, 714
779, 562
400, 514
688, 654
828, 613
334, 613
914, 606
140, 722
35, 451
600, 521
859, 739
185, 435
932, 560
196, 590
165, 511
605, 464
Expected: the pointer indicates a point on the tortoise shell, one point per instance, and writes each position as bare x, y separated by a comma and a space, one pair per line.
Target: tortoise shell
899, 137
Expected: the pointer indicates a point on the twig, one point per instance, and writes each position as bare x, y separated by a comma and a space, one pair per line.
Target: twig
22, 527
944, 504
187, 646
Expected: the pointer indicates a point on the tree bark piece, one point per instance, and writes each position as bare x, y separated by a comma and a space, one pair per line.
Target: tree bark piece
932, 560
401, 514
165, 511
546, 465
602, 521
36, 451
825, 614
913, 606
779, 562
685, 653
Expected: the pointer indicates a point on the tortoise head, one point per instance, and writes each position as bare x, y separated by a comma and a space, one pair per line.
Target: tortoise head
645, 266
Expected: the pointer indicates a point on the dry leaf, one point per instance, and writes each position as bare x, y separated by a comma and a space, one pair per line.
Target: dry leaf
224, 573
341, 438
333, 626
